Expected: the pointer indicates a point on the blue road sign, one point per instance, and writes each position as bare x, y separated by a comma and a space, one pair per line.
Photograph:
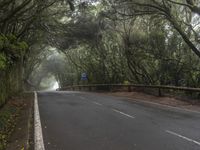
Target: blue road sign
83, 76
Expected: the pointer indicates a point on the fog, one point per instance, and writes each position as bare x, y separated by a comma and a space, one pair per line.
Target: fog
55, 86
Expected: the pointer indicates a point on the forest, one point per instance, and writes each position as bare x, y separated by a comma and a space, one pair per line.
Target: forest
150, 42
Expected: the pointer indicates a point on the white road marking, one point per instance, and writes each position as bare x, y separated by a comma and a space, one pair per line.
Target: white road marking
123, 113
97, 103
183, 137
38, 137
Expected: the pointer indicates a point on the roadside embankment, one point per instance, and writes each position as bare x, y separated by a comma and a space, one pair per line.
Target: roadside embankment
16, 123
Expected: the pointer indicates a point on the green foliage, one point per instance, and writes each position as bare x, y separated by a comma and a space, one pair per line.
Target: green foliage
2, 40
2, 61
114, 48
110, 47
12, 49
12, 52
11, 38
22, 46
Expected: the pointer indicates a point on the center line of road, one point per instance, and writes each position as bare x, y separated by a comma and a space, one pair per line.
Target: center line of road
97, 103
183, 137
123, 113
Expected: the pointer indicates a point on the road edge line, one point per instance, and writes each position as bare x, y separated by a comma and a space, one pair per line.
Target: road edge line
38, 137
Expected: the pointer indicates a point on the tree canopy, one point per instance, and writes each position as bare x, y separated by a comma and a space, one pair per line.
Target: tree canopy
122, 41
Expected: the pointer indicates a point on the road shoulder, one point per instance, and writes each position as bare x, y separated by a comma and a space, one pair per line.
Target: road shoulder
22, 136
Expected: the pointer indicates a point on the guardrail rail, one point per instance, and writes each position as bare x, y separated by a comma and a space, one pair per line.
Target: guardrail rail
130, 88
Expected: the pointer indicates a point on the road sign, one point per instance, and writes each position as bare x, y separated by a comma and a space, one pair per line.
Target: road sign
84, 76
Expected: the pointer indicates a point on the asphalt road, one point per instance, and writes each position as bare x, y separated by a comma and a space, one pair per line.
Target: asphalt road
89, 121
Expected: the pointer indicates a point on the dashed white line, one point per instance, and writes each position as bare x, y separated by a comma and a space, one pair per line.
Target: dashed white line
123, 113
97, 103
38, 138
183, 137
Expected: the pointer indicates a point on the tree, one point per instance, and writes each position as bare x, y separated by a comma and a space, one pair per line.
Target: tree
178, 13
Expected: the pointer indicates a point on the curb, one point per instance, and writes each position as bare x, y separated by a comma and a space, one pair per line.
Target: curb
38, 137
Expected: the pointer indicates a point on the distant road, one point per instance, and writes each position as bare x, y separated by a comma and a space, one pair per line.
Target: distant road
89, 121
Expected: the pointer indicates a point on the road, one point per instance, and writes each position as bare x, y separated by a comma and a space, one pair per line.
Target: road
89, 121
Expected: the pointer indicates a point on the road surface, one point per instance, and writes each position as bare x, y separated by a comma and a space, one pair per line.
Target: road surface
89, 121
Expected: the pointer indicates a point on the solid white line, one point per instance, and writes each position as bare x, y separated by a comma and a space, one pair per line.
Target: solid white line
123, 113
183, 137
38, 138
97, 103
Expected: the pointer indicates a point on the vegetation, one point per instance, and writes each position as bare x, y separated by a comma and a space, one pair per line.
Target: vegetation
11, 58
138, 41
8, 119
19, 22
146, 42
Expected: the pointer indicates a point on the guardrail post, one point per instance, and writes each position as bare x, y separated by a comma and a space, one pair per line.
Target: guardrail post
111, 88
159, 92
129, 88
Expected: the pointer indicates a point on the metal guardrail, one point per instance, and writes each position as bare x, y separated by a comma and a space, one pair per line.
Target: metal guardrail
131, 86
